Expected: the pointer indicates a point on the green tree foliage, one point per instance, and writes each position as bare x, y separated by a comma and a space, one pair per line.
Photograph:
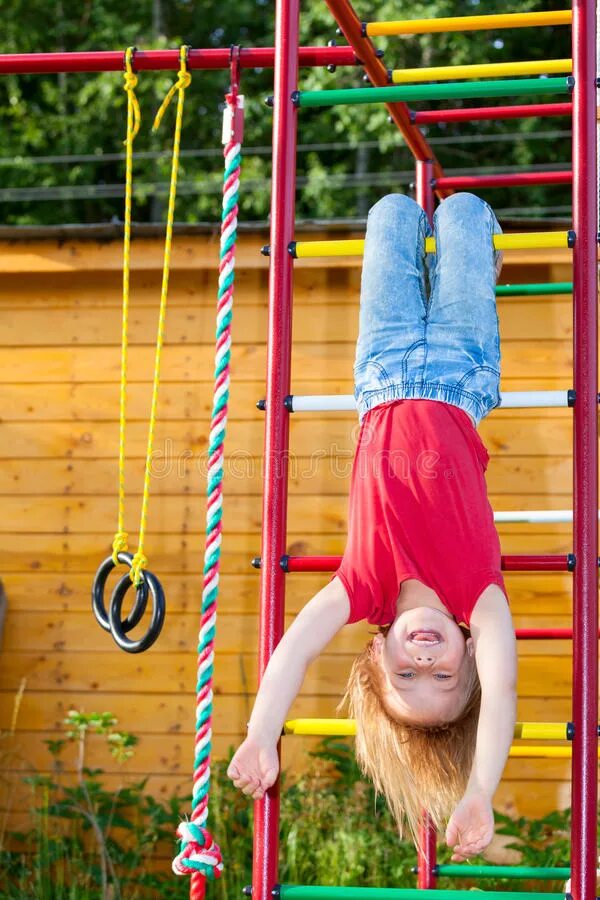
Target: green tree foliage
348, 156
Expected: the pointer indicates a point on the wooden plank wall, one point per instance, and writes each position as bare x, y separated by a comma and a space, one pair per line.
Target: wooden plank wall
58, 439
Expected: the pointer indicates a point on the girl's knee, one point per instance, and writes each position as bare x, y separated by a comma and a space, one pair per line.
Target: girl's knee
395, 208
462, 206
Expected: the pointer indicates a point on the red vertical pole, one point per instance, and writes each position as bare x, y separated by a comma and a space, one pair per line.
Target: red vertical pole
427, 846
276, 444
585, 457
424, 186
427, 854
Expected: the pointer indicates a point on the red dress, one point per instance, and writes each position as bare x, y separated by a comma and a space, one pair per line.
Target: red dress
418, 508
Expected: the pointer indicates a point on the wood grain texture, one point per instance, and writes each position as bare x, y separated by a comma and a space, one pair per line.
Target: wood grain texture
59, 368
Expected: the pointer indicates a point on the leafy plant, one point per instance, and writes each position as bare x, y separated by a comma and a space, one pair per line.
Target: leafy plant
88, 842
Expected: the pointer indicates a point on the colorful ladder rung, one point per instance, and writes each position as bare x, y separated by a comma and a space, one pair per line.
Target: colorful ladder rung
321, 892
487, 113
483, 70
534, 240
468, 23
508, 563
510, 400
454, 90
540, 873
536, 731
534, 290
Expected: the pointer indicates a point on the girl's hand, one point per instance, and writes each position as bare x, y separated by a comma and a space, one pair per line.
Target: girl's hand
471, 826
254, 767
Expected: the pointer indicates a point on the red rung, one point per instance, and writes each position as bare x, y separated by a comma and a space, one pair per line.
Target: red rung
473, 114
148, 60
462, 182
546, 563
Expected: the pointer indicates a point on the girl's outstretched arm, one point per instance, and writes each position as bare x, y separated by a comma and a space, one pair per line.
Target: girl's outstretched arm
255, 765
471, 826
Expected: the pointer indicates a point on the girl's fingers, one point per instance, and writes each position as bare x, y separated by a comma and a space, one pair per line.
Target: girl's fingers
250, 786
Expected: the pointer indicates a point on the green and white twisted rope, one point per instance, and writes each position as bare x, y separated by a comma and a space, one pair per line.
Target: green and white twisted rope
199, 854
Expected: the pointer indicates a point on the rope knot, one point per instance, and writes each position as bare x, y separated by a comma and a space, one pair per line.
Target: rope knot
138, 564
199, 852
131, 81
184, 79
119, 545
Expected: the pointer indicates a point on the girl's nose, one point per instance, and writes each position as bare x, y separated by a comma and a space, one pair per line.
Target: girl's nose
423, 659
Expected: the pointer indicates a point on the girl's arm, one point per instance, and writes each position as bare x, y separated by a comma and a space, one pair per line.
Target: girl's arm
471, 827
255, 765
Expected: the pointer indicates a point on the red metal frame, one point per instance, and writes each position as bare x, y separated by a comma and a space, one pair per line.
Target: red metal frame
510, 563
154, 60
495, 113
584, 797
427, 855
351, 27
424, 182
516, 179
276, 446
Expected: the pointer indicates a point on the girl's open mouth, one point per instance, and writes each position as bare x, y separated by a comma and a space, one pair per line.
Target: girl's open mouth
425, 637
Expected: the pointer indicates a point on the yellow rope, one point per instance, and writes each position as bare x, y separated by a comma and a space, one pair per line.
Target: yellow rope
133, 126
139, 561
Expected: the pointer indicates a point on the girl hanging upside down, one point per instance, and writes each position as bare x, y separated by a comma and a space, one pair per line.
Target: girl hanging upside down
434, 692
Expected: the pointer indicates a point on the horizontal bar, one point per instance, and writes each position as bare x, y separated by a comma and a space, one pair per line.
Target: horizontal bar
321, 892
541, 873
533, 240
347, 402
509, 563
483, 70
517, 179
469, 23
548, 516
529, 731
495, 113
538, 289
459, 90
158, 60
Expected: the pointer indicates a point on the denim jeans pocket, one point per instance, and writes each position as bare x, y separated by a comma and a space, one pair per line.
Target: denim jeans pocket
370, 375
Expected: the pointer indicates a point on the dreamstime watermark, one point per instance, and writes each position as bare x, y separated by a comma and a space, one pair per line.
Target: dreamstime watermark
331, 461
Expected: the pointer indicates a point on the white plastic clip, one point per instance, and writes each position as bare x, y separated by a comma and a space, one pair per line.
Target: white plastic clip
233, 121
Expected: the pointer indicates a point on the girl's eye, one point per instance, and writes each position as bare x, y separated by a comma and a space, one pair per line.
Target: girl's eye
441, 677
406, 674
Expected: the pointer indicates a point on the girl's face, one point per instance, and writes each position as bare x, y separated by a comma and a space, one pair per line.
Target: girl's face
427, 666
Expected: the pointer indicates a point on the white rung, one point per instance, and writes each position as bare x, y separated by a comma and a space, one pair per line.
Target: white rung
347, 403
535, 515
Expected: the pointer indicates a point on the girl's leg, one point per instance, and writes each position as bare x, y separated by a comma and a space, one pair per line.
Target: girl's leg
393, 302
463, 342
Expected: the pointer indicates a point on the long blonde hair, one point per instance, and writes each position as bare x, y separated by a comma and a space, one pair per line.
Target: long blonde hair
415, 767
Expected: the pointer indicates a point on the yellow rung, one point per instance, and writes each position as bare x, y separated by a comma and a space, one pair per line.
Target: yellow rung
541, 731
483, 70
470, 23
528, 241
538, 731
533, 752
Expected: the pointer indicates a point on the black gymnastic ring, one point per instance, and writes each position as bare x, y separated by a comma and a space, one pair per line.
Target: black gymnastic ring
156, 620
99, 586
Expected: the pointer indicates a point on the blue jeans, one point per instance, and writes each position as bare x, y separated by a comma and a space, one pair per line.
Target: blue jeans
428, 325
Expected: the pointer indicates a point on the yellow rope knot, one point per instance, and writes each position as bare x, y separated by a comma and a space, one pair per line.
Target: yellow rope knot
184, 79
138, 564
131, 81
119, 545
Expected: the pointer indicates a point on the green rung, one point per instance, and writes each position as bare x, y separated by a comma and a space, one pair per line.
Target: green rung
545, 287
461, 90
543, 873
321, 892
